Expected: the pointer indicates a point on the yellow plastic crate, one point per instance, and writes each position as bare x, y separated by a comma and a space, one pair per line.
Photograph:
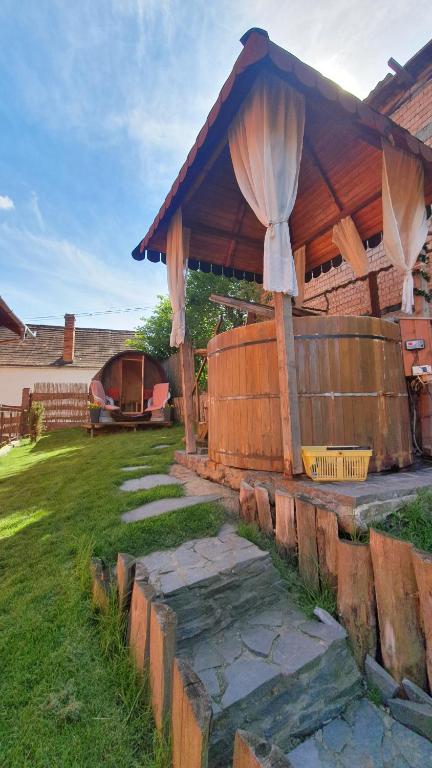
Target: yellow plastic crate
330, 463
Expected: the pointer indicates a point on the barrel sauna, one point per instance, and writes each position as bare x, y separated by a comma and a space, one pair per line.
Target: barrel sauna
129, 377
351, 389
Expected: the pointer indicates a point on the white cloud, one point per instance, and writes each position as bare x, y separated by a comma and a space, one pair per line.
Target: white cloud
6, 203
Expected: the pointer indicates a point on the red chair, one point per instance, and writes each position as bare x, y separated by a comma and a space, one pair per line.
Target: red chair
99, 396
158, 401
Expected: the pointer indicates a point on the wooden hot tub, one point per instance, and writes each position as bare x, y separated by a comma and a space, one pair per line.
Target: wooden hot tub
351, 390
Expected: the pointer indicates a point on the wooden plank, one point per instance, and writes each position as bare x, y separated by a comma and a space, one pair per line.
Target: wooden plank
263, 507
139, 624
374, 294
247, 500
125, 576
263, 310
163, 626
286, 534
191, 713
327, 545
356, 597
289, 405
402, 646
188, 380
307, 543
422, 562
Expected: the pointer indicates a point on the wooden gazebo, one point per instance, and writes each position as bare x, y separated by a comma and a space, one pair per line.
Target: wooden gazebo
340, 175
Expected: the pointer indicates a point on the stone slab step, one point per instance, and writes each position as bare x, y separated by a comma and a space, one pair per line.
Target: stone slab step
364, 735
276, 673
135, 469
162, 506
149, 481
210, 582
267, 668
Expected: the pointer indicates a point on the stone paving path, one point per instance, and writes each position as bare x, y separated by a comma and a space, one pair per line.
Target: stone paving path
196, 485
135, 469
364, 735
149, 481
163, 506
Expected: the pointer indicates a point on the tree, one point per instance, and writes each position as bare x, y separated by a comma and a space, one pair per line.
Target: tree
202, 315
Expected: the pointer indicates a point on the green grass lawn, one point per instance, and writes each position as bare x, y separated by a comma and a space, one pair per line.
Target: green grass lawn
64, 701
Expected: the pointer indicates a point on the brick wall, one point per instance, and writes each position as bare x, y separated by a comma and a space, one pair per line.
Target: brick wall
415, 114
354, 299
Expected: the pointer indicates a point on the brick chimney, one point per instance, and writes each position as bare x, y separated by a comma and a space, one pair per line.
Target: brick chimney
69, 339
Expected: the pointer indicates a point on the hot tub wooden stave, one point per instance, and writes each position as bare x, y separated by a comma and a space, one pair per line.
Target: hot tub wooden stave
351, 391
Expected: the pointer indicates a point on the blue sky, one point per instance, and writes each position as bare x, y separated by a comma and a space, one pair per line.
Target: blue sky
100, 101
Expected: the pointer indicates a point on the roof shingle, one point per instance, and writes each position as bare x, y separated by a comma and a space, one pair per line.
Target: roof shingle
93, 347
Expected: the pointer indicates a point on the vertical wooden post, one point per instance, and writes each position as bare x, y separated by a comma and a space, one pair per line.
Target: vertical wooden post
188, 381
374, 294
288, 385
25, 405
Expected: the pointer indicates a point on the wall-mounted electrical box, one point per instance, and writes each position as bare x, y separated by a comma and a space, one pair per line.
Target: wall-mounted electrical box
416, 335
421, 370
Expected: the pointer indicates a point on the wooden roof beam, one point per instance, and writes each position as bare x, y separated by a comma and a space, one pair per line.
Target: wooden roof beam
330, 224
220, 146
319, 166
246, 306
241, 212
401, 71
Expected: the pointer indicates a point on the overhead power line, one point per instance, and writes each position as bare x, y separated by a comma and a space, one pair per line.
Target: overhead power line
95, 313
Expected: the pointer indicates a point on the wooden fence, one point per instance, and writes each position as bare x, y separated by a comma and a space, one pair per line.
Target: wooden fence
11, 423
383, 587
65, 404
172, 369
179, 407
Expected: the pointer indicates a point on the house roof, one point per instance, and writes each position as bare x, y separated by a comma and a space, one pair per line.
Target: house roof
340, 172
9, 320
93, 347
386, 95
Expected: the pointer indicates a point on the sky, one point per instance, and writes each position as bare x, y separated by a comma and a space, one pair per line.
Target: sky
100, 102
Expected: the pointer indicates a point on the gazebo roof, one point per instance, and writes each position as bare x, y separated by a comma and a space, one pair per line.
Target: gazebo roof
340, 171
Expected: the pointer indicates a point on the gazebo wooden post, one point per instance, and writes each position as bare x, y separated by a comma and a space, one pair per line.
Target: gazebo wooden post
188, 381
374, 294
288, 385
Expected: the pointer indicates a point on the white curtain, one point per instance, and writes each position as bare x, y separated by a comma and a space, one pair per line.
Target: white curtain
300, 269
177, 254
404, 215
347, 239
266, 141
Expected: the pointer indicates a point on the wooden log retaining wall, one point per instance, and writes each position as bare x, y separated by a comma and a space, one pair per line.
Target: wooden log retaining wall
383, 588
